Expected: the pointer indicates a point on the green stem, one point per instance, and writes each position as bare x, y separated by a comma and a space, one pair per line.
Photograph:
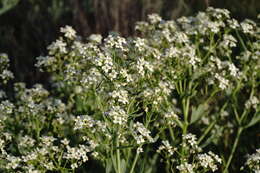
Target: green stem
245, 112
186, 115
236, 114
241, 40
184, 131
206, 132
118, 156
167, 166
185, 127
211, 95
180, 87
185, 107
134, 163
240, 129
171, 133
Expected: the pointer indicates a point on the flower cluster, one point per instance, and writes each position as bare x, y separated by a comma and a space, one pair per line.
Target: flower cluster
167, 147
209, 161
253, 161
5, 74
188, 84
205, 161
141, 134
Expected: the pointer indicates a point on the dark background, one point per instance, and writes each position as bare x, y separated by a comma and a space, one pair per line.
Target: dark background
27, 27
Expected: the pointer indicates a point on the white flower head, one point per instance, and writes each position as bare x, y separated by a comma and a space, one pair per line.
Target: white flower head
57, 46
95, 38
69, 32
154, 18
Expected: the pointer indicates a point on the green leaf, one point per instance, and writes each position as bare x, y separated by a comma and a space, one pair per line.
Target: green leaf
254, 120
208, 141
198, 73
7, 5
108, 166
198, 112
123, 165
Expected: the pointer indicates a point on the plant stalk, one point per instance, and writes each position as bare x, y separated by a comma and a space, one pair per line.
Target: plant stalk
134, 163
233, 149
118, 156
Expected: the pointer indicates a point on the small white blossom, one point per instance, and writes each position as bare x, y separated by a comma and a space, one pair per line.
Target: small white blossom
65, 141
141, 134
83, 121
154, 18
121, 95
95, 38
58, 46
13, 162
253, 161
252, 102
186, 168
167, 147
118, 115
139, 150
68, 31
209, 161
223, 83
233, 23
248, 26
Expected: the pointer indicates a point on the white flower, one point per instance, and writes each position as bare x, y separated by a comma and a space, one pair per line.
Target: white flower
154, 18
228, 42
74, 166
68, 31
209, 161
140, 44
172, 52
57, 46
186, 168
95, 38
248, 26
116, 42
95, 154
139, 150
223, 83
27, 141
233, 70
144, 133
47, 140
181, 37
77, 153
191, 139
6, 107
65, 141
253, 101
30, 156
84, 121
166, 146
13, 162
233, 23
121, 95
6, 74
118, 115
253, 161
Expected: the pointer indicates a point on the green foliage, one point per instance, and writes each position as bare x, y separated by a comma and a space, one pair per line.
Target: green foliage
6, 5
179, 98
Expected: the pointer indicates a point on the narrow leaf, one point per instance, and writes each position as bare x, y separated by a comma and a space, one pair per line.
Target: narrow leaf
198, 112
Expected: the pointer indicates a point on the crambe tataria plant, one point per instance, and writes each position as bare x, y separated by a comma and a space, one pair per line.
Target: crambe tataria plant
173, 100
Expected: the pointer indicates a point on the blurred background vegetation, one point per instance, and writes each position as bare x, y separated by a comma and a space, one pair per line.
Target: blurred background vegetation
27, 27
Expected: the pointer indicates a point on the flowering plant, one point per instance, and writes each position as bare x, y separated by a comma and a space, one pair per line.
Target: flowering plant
173, 97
